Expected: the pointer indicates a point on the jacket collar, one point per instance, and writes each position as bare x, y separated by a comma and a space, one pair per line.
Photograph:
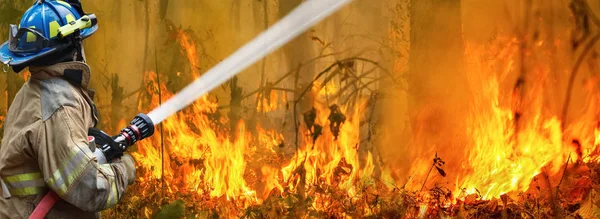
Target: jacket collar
75, 72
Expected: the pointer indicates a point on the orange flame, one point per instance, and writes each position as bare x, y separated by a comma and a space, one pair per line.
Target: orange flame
501, 157
201, 157
189, 48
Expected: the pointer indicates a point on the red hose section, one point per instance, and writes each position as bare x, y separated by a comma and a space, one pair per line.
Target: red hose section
42, 209
44, 206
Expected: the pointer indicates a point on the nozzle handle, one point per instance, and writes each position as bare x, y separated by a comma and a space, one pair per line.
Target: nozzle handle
112, 147
107, 145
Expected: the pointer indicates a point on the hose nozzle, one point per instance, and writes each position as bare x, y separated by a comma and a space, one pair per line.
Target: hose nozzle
139, 128
112, 147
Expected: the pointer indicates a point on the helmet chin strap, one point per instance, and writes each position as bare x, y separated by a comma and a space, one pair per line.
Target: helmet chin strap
79, 53
83, 59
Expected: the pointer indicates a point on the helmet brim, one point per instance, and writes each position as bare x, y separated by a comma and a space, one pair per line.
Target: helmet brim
9, 58
89, 31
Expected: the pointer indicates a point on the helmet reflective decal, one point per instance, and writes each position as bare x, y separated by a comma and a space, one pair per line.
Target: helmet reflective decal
30, 36
70, 18
54, 25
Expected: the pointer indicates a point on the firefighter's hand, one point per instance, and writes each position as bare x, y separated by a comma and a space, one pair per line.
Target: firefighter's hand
129, 166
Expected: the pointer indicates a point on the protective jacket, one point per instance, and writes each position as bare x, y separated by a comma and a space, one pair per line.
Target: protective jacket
45, 147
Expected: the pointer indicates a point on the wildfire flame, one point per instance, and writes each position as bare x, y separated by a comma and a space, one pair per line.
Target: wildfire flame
189, 49
195, 154
506, 152
208, 160
498, 161
270, 102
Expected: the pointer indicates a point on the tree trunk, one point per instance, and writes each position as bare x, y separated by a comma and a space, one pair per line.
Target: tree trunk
235, 109
261, 22
436, 83
298, 51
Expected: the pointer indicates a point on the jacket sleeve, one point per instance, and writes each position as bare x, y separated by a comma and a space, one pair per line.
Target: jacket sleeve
70, 168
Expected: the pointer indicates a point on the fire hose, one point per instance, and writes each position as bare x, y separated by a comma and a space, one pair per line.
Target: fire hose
142, 126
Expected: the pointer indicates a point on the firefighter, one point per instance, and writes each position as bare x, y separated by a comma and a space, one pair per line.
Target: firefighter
45, 147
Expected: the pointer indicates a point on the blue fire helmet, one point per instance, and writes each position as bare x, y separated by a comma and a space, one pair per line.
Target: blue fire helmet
38, 33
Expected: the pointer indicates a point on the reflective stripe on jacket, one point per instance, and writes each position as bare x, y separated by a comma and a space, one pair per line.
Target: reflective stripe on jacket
45, 146
25, 184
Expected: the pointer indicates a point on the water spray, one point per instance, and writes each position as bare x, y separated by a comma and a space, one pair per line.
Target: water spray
296, 22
